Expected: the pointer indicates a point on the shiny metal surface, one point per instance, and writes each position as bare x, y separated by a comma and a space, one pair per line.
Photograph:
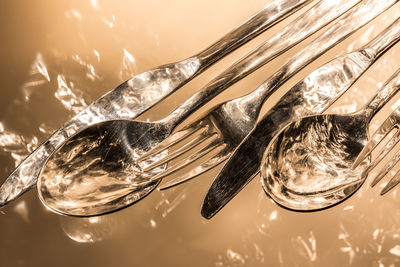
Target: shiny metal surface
338, 76
59, 56
235, 118
308, 165
141, 92
91, 175
227, 124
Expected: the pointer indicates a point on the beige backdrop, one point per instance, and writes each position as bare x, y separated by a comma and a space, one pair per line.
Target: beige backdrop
58, 56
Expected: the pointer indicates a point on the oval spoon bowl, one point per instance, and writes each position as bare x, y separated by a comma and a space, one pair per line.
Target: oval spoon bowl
95, 171
307, 166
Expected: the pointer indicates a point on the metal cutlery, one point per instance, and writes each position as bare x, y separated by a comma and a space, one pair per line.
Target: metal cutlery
310, 96
138, 94
96, 172
308, 165
226, 125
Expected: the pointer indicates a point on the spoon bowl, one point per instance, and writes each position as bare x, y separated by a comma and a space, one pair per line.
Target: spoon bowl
95, 171
307, 166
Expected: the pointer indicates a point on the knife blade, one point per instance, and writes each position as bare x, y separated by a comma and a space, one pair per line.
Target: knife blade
312, 95
244, 163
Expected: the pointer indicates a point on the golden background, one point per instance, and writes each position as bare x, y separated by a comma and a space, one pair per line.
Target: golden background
59, 56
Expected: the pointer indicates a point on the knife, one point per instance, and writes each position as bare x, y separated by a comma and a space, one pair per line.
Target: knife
312, 95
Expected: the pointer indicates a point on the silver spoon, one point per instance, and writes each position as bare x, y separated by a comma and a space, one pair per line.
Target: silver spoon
95, 171
308, 165
141, 92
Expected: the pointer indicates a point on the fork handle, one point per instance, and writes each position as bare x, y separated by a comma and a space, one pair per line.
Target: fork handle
267, 17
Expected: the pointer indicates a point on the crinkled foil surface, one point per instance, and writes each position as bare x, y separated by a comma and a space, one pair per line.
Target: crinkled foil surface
59, 56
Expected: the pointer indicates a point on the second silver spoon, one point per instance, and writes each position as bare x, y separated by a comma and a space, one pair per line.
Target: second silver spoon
308, 165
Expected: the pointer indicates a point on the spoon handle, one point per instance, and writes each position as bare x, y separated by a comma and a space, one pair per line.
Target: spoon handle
388, 90
309, 22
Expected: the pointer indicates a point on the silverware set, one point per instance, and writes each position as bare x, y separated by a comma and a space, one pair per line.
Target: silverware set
103, 160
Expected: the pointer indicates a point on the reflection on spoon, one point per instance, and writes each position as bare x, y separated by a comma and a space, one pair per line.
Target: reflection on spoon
308, 165
95, 171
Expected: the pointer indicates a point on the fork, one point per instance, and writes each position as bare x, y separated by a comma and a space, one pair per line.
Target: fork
224, 126
390, 125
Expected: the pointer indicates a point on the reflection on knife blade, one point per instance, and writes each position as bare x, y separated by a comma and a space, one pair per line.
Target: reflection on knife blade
312, 95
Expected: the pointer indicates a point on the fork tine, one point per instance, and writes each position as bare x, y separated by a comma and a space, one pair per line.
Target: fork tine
389, 146
216, 143
386, 127
392, 183
204, 136
394, 180
202, 168
173, 139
